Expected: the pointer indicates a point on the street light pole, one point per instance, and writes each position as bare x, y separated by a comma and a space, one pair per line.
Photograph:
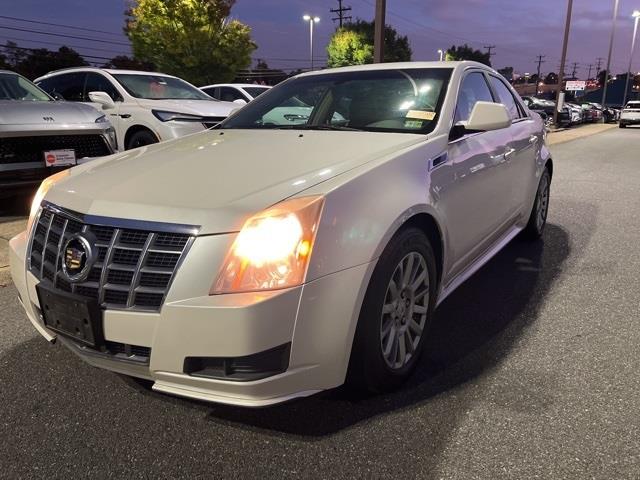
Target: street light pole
378, 32
567, 26
636, 16
607, 73
441, 53
311, 20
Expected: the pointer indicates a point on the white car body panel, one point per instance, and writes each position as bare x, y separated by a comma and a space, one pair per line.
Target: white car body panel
479, 196
133, 112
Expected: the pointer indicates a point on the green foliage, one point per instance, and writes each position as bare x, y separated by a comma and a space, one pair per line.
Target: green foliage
347, 47
124, 62
353, 45
35, 62
507, 72
4, 65
192, 39
551, 78
465, 52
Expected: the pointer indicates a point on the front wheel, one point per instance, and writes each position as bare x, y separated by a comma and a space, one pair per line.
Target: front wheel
141, 138
538, 216
395, 313
622, 125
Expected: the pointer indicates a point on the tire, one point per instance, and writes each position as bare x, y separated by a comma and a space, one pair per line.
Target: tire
140, 139
538, 216
373, 366
622, 125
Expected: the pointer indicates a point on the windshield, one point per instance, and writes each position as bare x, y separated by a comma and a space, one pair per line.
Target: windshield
405, 101
15, 87
255, 91
159, 87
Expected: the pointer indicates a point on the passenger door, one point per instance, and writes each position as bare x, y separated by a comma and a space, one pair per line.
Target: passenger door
524, 146
472, 187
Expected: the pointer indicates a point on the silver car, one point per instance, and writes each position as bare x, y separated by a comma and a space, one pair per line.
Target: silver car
39, 136
267, 259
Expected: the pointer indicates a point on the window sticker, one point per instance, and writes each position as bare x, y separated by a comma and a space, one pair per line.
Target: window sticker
421, 114
417, 124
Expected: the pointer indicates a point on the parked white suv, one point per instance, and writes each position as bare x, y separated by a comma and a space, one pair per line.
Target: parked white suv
630, 115
235, 92
143, 107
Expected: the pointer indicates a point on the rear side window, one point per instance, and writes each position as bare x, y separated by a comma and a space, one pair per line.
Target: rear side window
69, 86
474, 89
100, 83
212, 92
506, 97
229, 94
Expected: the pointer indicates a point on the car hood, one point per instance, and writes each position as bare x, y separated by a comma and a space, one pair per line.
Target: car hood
25, 112
206, 108
217, 178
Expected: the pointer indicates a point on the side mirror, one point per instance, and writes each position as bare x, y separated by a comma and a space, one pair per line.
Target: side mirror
240, 101
487, 116
56, 96
102, 98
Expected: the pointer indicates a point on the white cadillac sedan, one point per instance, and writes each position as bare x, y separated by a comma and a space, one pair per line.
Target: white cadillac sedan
263, 261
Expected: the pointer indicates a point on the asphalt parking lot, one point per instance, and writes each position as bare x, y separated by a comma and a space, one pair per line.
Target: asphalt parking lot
531, 372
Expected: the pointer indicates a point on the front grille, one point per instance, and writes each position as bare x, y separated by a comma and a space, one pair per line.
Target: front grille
134, 267
31, 149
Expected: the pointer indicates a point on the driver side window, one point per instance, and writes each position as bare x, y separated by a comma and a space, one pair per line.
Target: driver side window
474, 89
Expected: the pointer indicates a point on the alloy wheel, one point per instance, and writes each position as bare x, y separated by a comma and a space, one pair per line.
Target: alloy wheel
404, 313
542, 203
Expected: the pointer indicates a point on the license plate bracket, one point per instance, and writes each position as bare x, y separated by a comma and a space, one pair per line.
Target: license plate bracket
60, 158
72, 316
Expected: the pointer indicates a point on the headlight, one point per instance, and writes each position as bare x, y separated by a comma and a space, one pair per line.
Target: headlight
111, 135
42, 191
176, 116
273, 248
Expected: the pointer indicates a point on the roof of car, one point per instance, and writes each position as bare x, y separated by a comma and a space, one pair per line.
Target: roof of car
397, 65
240, 85
97, 69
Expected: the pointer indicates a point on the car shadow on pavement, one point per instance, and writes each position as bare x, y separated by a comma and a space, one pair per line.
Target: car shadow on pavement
15, 207
473, 330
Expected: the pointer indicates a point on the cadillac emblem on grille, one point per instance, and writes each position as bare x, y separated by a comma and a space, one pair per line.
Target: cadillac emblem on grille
78, 257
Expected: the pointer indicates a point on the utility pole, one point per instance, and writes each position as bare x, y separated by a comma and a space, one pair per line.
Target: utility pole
574, 71
378, 34
589, 74
613, 34
567, 27
598, 65
540, 62
340, 12
489, 48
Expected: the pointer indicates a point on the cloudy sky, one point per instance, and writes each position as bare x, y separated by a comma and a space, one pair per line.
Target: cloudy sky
519, 29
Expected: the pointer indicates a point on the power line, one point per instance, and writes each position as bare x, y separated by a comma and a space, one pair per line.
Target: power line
65, 36
43, 42
60, 25
12, 48
340, 11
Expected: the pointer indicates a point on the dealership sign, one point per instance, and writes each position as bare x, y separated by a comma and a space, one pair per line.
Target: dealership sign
574, 85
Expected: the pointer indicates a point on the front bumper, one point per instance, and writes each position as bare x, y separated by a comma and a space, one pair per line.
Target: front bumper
317, 320
630, 119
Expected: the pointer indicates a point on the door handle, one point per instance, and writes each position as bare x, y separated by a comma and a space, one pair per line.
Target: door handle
125, 115
509, 152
